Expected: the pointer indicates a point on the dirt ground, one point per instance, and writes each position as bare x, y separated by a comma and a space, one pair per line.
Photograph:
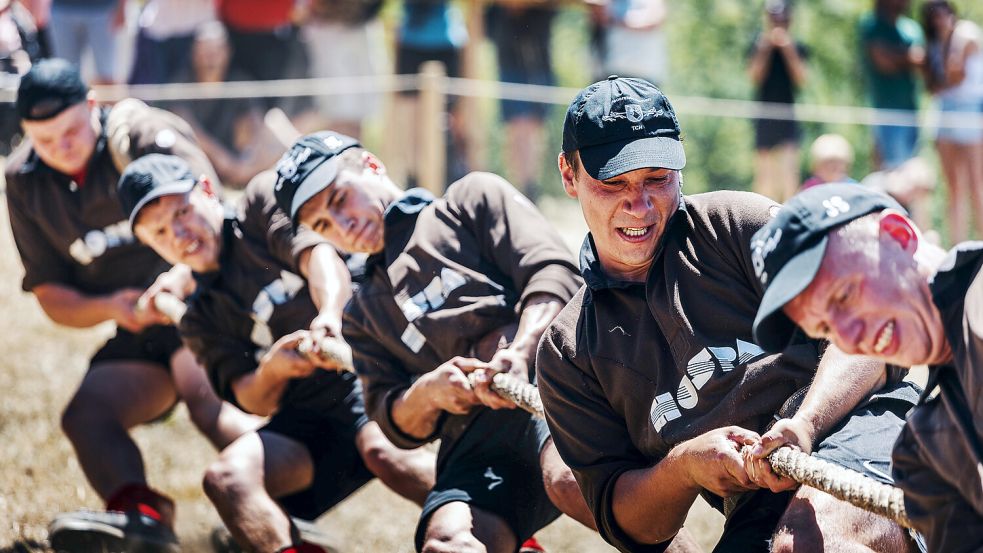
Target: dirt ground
39, 476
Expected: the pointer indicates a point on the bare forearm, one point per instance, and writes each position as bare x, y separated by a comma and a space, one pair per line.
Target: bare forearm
796, 65
67, 306
842, 381
759, 63
328, 278
413, 412
651, 504
259, 392
537, 314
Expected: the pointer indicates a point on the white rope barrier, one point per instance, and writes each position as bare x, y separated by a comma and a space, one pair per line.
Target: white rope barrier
477, 88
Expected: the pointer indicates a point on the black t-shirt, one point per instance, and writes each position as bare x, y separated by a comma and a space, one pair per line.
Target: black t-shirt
255, 297
938, 459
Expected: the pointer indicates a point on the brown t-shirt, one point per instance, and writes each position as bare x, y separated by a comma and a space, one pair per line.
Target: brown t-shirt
255, 297
629, 370
938, 459
453, 270
78, 236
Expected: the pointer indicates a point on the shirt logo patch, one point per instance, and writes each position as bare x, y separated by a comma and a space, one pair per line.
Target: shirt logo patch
275, 293
430, 299
96, 242
495, 479
700, 368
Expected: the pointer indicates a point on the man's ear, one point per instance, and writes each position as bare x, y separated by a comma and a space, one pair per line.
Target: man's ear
896, 226
566, 175
206, 186
372, 163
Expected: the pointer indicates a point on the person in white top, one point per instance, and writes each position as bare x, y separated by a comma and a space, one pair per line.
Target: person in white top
166, 33
954, 74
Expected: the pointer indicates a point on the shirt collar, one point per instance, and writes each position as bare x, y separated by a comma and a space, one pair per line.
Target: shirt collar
398, 219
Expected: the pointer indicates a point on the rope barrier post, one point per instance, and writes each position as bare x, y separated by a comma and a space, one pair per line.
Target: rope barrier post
469, 107
432, 120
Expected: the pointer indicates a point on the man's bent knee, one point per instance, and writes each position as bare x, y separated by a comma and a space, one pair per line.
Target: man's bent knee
816, 521
442, 541
230, 477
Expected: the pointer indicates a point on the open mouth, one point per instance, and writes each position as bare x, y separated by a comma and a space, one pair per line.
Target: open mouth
634, 233
193, 248
884, 338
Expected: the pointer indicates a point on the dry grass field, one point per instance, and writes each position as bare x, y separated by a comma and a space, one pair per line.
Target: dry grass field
42, 364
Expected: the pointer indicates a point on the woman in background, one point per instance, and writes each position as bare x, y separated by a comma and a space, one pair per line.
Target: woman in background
954, 74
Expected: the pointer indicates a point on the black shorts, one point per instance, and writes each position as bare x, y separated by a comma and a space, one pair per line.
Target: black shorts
862, 442
156, 344
495, 466
409, 60
329, 436
522, 43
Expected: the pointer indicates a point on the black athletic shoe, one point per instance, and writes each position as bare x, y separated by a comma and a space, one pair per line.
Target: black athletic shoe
109, 532
222, 541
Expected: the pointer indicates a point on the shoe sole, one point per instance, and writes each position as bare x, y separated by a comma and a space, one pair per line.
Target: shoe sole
85, 536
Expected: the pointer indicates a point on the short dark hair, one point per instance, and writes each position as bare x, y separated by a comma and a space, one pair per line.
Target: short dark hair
573, 160
928, 11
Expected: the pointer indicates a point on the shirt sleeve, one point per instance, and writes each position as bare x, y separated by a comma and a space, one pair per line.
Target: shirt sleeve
42, 262
271, 226
514, 235
135, 130
934, 503
224, 356
382, 375
591, 438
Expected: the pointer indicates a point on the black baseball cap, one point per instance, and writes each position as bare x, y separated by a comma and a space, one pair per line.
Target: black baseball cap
787, 252
150, 177
622, 124
50, 87
308, 167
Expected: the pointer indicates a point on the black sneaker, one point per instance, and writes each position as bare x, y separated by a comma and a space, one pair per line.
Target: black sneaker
222, 541
109, 532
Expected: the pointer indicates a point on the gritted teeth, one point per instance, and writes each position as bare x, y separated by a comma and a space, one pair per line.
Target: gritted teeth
634, 231
884, 339
192, 247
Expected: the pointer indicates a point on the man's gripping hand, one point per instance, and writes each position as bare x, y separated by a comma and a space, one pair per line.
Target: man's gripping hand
509, 361
792, 432
448, 388
127, 314
714, 463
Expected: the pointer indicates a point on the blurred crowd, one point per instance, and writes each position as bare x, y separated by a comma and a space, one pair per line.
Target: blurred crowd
244, 40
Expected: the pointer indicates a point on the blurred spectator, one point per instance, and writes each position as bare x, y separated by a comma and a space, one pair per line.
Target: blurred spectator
357, 48
521, 36
18, 49
429, 30
163, 44
954, 73
911, 183
81, 25
830, 159
41, 11
231, 131
892, 50
266, 45
777, 68
630, 38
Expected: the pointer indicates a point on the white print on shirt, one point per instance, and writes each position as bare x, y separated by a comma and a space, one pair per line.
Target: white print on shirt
96, 242
699, 370
495, 479
428, 300
273, 294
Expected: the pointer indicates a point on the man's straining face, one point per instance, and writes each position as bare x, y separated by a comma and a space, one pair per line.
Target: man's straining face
183, 228
66, 141
349, 212
626, 214
869, 298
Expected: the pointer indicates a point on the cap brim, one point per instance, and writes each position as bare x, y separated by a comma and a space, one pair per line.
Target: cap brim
773, 329
320, 178
177, 187
605, 161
